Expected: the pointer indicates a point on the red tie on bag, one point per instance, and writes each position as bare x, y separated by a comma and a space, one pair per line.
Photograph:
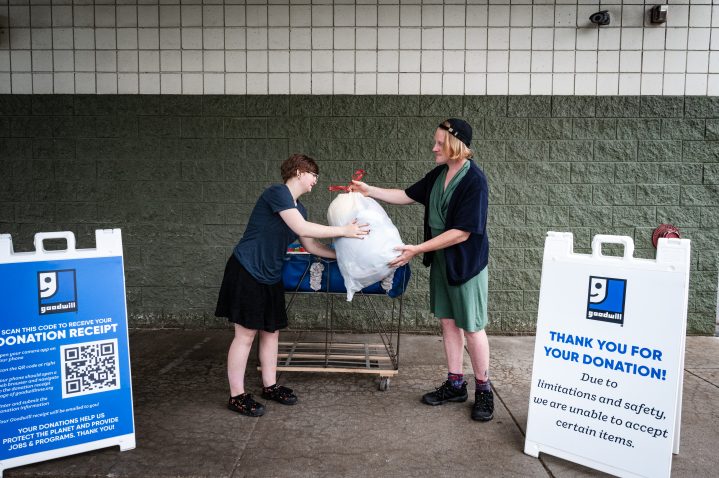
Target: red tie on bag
357, 176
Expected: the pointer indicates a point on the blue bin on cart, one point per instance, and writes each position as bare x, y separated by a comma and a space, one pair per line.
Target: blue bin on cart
296, 277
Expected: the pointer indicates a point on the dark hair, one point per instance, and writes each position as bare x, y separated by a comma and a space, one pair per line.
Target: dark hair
298, 163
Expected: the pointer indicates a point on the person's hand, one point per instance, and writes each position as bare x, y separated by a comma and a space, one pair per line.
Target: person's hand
355, 230
359, 187
408, 251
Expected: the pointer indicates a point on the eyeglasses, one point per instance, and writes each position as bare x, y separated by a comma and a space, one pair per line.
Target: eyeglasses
317, 176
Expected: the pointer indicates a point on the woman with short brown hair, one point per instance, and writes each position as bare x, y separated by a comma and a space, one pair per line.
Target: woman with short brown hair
252, 295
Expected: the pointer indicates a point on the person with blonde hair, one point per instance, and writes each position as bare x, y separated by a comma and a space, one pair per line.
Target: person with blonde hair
252, 295
455, 198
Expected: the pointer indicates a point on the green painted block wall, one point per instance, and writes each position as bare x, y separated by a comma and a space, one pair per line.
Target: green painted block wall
180, 174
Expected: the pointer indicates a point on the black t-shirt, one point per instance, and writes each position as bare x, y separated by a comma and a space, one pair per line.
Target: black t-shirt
262, 249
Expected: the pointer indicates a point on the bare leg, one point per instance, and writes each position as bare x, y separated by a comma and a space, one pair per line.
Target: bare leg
453, 345
237, 358
453, 338
268, 356
478, 348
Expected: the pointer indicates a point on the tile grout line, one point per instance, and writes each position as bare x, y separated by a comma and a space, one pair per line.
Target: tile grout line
701, 378
182, 357
514, 419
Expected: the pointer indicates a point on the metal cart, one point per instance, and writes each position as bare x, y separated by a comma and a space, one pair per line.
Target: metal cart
330, 355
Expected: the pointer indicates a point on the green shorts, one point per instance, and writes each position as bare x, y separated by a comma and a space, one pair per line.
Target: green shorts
465, 303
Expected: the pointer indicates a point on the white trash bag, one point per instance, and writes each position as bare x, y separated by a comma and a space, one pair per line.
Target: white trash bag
363, 262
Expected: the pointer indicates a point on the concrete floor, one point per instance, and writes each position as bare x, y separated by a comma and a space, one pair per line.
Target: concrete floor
344, 426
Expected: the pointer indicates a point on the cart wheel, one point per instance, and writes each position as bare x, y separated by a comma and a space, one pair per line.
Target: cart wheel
383, 384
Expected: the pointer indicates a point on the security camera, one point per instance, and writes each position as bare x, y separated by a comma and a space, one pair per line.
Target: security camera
600, 18
659, 14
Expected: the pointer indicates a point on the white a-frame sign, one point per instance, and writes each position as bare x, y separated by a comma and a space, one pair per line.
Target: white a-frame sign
609, 356
65, 383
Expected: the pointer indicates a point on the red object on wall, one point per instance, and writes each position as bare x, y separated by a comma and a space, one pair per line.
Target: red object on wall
664, 230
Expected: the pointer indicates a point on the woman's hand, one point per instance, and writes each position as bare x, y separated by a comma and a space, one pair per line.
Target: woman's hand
408, 251
360, 187
354, 230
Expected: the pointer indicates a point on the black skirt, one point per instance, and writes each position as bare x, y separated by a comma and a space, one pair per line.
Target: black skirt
249, 303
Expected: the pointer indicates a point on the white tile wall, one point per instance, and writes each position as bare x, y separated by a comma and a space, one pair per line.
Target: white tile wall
357, 47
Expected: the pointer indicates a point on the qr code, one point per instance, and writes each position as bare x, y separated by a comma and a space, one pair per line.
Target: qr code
89, 367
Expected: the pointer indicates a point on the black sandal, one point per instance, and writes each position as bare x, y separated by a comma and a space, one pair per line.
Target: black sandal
280, 394
246, 405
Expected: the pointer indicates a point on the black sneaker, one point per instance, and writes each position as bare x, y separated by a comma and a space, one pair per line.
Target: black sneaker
246, 405
483, 408
280, 394
446, 393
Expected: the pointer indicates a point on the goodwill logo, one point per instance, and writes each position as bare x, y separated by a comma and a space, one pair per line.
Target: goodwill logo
57, 291
605, 300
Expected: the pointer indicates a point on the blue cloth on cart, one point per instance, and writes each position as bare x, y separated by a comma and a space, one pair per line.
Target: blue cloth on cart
296, 277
